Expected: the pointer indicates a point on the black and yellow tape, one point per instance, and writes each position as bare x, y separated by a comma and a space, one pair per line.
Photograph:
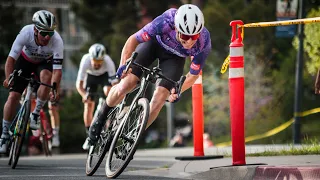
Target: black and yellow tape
274, 130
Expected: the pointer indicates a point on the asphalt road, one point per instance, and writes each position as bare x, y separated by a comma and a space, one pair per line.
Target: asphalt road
69, 167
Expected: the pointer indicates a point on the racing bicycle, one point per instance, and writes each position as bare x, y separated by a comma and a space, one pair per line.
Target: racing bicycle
20, 124
128, 121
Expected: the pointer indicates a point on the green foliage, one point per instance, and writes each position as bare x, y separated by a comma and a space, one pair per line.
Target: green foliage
292, 150
72, 128
10, 25
107, 23
312, 43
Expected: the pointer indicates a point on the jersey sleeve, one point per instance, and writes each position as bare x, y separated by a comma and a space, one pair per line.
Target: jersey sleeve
111, 70
199, 60
58, 53
18, 44
82, 69
160, 25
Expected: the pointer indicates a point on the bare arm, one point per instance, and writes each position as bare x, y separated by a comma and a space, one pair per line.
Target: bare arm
190, 79
128, 48
56, 77
9, 66
80, 88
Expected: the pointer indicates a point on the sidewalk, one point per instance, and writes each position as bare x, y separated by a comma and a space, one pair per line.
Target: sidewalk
262, 167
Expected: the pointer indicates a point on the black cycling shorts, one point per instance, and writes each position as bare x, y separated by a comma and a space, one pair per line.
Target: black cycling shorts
93, 82
170, 64
27, 68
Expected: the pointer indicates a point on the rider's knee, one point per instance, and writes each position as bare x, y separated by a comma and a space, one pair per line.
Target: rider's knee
14, 97
125, 87
45, 76
160, 94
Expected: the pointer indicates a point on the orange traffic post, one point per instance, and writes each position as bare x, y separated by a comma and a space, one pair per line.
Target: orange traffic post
236, 90
197, 109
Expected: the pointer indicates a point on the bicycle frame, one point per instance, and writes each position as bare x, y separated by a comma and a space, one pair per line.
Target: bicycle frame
17, 122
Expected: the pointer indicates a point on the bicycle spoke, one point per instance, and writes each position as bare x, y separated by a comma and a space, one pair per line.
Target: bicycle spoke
126, 138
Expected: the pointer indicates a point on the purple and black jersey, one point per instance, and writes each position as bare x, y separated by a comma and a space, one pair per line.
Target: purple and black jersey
162, 29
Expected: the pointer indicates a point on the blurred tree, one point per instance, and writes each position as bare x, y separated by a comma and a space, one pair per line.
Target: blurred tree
107, 23
312, 43
10, 25
124, 24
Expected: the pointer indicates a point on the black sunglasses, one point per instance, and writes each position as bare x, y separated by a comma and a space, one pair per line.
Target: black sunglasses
46, 33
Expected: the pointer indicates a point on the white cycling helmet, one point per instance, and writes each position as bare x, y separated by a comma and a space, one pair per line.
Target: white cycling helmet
189, 19
44, 20
97, 51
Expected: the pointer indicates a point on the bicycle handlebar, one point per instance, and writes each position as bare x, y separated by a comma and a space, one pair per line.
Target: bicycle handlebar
16, 73
156, 72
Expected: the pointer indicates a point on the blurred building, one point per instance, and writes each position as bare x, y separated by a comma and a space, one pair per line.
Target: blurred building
72, 33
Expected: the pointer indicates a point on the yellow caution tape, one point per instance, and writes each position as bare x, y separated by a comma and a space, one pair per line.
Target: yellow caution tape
274, 130
306, 113
268, 24
225, 65
226, 62
282, 23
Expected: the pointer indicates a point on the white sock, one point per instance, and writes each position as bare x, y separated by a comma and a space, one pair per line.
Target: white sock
56, 131
5, 127
39, 104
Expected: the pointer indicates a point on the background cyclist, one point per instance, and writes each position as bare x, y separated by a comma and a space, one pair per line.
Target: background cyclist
171, 37
96, 68
37, 48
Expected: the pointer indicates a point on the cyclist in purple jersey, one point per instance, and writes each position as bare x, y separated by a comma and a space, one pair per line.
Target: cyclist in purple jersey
171, 37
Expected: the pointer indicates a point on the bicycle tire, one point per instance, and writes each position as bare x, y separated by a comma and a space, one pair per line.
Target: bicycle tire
21, 130
10, 151
100, 149
139, 115
45, 141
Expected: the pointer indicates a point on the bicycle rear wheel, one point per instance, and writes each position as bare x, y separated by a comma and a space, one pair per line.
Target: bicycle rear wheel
20, 132
97, 152
45, 141
126, 138
46, 134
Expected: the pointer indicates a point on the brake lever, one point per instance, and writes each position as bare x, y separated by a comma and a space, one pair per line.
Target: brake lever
131, 59
179, 87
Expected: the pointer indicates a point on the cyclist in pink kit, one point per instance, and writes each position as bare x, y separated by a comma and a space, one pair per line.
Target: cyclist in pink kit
37, 48
170, 37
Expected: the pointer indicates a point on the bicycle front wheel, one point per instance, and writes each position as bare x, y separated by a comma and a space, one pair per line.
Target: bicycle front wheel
97, 152
20, 132
126, 138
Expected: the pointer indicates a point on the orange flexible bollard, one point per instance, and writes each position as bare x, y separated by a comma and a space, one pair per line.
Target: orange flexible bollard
197, 109
236, 89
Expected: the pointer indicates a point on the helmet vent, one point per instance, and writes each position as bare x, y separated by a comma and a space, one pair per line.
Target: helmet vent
40, 18
200, 28
181, 28
196, 17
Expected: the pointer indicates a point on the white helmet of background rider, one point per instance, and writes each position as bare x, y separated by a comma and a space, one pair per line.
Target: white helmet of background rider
44, 20
189, 19
97, 51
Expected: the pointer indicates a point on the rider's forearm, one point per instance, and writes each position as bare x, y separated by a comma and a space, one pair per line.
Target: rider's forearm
56, 77
9, 66
190, 79
80, 88
128, 48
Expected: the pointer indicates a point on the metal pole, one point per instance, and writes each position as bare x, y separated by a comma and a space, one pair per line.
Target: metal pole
299, 72
170, 125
